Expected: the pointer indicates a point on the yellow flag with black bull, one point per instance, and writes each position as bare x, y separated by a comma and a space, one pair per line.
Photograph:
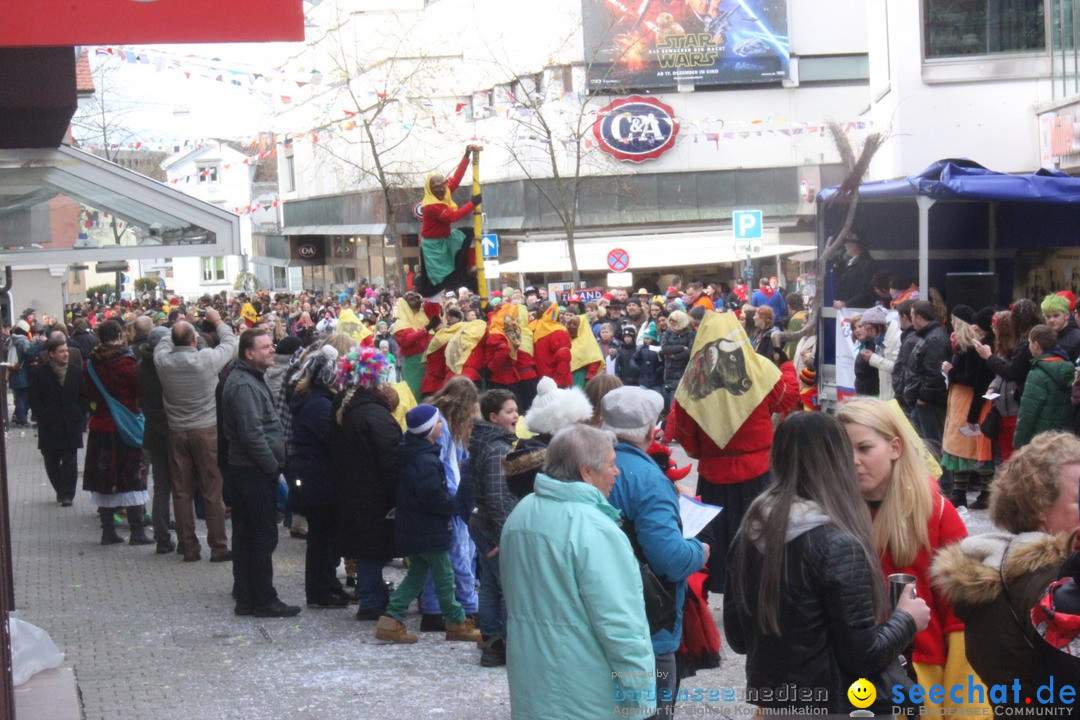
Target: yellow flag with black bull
248, 313
724, 379
351, 325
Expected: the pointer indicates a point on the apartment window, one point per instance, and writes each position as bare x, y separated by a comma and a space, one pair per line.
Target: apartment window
290, 169
958, 28
213, 269
279, 277
207, 173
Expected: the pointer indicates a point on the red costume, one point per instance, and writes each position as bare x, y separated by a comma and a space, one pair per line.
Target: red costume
437, 218
551, 348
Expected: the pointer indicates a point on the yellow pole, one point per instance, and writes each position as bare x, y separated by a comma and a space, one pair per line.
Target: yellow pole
478, 229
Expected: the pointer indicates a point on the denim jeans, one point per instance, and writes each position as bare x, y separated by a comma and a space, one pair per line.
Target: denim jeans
667, 686
491, 614
22, 404
370, 587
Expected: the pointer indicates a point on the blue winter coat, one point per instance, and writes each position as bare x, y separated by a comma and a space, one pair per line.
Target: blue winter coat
424, 504
649, 500
776, 302
575, 608
650, 366
310, 459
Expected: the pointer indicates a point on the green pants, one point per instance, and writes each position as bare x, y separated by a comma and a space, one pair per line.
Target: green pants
412, 372
442, 572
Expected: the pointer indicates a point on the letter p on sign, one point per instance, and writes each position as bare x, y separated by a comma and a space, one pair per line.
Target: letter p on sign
747, 224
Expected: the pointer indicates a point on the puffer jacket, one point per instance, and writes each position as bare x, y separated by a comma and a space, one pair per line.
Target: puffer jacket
424, 503
829, 636
675, 347
572, 588
310, 457
1047, 400
993, 581
923, 379
249, 421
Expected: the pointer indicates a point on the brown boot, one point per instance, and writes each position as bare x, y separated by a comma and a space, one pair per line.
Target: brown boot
392, 630
464, 630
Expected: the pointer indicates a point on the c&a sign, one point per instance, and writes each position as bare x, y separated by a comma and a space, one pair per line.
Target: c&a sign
636, 128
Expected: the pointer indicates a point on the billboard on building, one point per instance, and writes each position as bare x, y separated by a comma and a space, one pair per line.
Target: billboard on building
661, 44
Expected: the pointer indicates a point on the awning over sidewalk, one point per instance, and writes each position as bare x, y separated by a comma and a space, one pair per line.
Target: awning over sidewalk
62, 205
646, 251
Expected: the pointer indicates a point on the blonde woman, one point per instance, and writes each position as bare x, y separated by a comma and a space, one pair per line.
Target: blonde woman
911, 521
965, 450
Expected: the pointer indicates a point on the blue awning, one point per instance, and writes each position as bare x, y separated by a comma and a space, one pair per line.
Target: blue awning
962, 179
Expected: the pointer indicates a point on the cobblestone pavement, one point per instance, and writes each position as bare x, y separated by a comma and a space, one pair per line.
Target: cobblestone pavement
150, 636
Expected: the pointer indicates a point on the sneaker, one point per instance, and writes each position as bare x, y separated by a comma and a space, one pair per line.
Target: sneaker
465, 631
276, 609
432, 623
391, 630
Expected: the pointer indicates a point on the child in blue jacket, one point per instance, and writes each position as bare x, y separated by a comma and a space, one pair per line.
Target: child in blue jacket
422, 531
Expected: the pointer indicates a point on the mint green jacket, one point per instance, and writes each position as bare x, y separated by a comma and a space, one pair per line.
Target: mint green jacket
576, 613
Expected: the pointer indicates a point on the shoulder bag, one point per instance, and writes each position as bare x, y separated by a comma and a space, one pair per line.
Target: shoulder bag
130, 425
660, 607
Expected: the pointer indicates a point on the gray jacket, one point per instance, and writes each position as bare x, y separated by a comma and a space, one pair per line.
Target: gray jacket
190, 376
250, 422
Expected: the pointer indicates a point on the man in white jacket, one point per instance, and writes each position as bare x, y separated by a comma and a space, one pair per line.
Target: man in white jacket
877, 322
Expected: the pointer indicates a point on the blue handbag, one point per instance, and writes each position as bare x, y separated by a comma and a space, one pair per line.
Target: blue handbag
130, 425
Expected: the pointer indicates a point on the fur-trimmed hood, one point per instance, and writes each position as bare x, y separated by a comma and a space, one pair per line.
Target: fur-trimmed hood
969, 572
555, 408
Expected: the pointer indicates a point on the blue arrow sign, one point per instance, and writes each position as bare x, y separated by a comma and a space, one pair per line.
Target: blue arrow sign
490, 245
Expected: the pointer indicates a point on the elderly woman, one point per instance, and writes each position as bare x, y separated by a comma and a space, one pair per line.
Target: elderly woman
995, 579
573, 591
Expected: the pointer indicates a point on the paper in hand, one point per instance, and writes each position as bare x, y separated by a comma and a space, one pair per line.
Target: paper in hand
695, 515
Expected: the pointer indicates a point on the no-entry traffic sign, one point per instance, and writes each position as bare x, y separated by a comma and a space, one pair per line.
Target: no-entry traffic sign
618, 260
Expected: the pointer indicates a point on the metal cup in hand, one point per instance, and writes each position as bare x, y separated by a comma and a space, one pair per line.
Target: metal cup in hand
897, 583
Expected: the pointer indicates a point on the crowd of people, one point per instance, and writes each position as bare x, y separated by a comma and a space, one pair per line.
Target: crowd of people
516, 452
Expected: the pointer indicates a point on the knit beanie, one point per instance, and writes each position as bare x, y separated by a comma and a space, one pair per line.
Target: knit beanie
554, 408
807, 376
650, 332
1054, 304
984, 320
422, 419
965, 313
288, 345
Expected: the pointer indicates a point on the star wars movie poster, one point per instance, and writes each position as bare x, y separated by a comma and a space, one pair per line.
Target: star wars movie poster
659, 44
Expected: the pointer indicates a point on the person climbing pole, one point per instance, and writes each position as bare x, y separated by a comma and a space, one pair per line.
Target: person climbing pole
446, 254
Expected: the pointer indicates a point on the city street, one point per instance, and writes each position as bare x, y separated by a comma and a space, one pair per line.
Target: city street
152, 637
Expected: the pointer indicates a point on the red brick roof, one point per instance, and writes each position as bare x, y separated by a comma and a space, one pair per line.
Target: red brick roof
84, 80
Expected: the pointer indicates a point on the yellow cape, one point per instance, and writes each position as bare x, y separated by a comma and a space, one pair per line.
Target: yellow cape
248, 313
526, 333
406, 402
351, 325
584, 350
406, 319
546, 324
498, 325
431, 199
720, 395
460, 340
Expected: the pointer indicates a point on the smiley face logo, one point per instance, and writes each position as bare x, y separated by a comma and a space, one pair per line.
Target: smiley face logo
862, 693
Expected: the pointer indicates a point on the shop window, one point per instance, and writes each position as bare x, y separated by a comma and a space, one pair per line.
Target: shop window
958, 28
279, 277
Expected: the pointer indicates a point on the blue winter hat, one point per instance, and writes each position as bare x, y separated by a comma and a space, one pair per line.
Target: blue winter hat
421, 420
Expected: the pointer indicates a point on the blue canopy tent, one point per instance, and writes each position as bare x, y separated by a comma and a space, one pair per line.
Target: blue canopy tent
955, 217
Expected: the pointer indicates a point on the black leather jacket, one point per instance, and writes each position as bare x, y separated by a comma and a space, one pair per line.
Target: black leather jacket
829, 636
923, 379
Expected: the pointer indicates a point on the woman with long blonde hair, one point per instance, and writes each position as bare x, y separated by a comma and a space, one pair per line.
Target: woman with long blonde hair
911, 522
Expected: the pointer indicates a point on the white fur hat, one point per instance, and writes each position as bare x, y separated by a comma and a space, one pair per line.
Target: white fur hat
554, 408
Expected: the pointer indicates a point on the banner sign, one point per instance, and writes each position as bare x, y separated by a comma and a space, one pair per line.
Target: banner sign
660, 44
94, 22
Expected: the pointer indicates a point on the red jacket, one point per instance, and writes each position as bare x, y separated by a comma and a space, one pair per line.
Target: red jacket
552, 355
503, 368
746, 456
435, 372
945, 528
437, 218
412, 342
526, 366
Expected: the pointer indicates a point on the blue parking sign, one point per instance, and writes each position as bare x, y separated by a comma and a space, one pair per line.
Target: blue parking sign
747, 224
